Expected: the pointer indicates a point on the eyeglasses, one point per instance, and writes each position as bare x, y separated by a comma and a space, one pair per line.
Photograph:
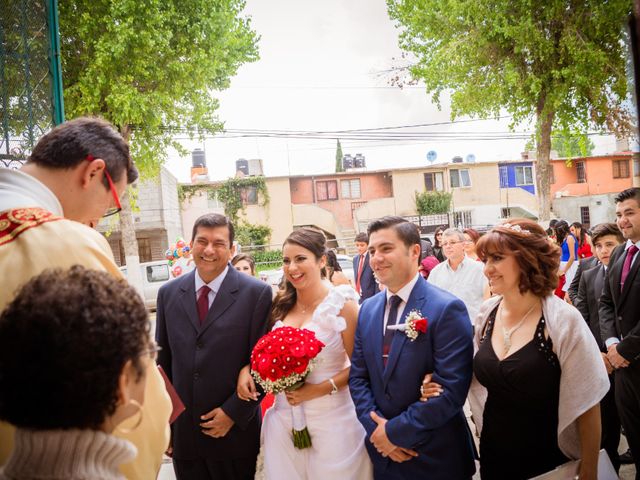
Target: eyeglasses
450, 244
112, 187
152, 351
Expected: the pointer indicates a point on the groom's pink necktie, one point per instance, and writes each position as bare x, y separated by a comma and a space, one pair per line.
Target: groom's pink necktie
203, 303
394, 302
626, 268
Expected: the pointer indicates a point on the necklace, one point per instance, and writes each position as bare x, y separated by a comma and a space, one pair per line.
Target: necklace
304, 308
506, 334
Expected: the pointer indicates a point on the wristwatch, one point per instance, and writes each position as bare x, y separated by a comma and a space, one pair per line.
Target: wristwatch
334, 387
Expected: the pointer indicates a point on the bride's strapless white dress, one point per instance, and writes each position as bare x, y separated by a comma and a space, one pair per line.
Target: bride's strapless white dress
338, 450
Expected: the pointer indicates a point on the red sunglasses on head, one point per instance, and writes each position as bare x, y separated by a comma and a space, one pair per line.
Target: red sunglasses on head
112, 187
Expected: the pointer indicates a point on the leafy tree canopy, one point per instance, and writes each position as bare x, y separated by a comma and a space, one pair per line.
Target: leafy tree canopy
151, 67
568, 146
561, 62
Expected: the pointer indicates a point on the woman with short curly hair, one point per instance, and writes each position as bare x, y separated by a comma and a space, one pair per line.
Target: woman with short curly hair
538, 373
74, 348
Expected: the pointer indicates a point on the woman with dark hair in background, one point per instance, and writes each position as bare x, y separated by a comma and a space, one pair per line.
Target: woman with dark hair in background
569, 257
334, 270
307, 301
584, 240
538, 372
438, 252
74, 349
471, 237
244, 263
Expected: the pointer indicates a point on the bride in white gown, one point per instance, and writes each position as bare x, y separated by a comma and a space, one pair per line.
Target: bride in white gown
308, 301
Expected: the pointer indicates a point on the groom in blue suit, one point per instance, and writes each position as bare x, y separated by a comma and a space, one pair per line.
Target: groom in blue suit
408, 438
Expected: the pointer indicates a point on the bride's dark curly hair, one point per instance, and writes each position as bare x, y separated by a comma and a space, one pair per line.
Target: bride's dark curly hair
316, 243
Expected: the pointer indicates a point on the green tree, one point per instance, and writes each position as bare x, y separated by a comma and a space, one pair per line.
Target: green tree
568, 145
151, 68
431, 203
339, 166
558, 62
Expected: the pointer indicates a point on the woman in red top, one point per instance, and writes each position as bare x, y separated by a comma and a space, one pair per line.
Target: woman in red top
584, 240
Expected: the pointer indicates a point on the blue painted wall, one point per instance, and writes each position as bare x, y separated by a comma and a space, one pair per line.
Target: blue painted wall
507, 173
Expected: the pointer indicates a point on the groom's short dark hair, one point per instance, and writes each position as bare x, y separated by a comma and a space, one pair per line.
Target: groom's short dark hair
407, 231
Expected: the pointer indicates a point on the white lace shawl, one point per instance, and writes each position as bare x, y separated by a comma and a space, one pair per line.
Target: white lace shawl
583, 379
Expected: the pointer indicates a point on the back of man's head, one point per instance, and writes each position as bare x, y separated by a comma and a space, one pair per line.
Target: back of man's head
72, 142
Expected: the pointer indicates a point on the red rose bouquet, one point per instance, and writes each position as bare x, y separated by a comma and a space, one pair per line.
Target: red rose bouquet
280, 361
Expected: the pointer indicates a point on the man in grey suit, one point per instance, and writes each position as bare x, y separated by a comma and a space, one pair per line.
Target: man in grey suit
605, 237
207, 324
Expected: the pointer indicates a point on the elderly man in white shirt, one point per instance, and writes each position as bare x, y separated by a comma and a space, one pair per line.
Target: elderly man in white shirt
459, 274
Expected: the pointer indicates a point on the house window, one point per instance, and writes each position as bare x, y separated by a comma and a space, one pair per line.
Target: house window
327, 190
504, 177
582, 174
552, 175
462, 219
350, 188
585, 218
249, 195
636, 167
460, 178
621, 169
144, 249
433, 182
524, 176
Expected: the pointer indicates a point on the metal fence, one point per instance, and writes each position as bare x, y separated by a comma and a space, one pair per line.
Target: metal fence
28, 50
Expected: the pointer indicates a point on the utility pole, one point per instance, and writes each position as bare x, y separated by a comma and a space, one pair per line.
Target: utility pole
55, 66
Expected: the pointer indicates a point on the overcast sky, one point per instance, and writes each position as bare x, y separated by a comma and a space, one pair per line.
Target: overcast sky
320, 70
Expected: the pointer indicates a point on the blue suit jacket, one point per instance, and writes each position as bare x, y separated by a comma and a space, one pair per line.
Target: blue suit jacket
436, 429
368, 285
203, 361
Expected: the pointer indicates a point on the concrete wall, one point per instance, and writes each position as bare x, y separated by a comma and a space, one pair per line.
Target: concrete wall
373, 185
484, 197
278, 214
157, 217
599, 176
602, 208
304, 215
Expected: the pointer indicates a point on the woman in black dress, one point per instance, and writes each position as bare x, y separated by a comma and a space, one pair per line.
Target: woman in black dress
537, 368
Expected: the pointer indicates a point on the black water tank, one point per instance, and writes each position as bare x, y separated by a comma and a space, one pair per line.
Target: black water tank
243, 166
198, 158
456, 159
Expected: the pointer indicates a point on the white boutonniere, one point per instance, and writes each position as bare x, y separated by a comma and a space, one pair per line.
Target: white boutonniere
414, 324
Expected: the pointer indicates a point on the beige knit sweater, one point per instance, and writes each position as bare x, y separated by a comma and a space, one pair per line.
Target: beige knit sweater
68, 455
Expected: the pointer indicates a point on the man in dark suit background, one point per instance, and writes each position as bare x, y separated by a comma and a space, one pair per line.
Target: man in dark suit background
605, 238
207, 324
620, 318
366, 285
583, 265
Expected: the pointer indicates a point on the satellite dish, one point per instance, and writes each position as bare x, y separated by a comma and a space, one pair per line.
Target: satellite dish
431, 156
471, 158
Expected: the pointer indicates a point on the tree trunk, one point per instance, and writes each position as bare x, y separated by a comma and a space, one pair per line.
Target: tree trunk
544, 122
128, 234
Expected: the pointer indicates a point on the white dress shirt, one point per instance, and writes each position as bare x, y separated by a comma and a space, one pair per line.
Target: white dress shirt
404, 294
467, 282
214, 285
